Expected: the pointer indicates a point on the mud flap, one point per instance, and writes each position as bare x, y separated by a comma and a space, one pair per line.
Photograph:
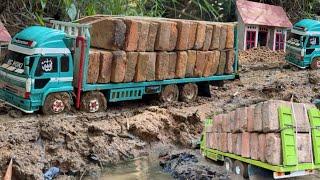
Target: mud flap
204, 89
314, 116
257, 173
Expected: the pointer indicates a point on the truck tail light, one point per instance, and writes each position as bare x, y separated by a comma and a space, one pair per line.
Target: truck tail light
26, 95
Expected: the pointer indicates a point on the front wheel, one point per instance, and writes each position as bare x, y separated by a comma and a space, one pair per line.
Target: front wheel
57, 103
315, 63
93, 102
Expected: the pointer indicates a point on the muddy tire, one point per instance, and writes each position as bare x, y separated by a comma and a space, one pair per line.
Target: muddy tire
241, 169
169, 94
93, 102
189, 92
57, 103
228, 164
315, 63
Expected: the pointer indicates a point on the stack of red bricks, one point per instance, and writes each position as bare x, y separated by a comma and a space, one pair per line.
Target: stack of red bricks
254, 132
137, 49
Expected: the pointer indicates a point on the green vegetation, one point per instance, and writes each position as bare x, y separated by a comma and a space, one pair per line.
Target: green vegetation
19, 13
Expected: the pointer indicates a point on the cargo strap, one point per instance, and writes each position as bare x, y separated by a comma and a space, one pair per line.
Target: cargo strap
310, 134
288, 136
314, 118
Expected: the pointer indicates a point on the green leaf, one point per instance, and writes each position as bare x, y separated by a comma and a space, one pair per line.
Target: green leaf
72, 12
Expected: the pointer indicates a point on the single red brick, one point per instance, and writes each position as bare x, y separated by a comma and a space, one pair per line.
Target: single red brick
181, 65
141, 68
239, 144
192, 58
230, 62
222, 62
241, 119
215, 43
172, 65
94, 62
262, 147
235, 142
162, 65
257, 125
232, 121
208, 69
200, 64
163, 36
245, 144
230, 37
214, 141
254, 146
225, 123
183, 34
224, 142
192, 34
208, 38
273, 151
250, 117
201, 35
173, 36
151, 66
119, 64
152, 35
223, 37
143, 35
230, 143
105, 67
216, 62
132, 35
132, 59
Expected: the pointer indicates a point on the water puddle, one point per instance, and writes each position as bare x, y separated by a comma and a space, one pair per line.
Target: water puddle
143, 168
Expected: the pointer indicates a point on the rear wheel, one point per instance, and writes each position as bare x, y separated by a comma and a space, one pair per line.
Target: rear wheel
228, 164
56, 103
315, 63
189, 92
93, 102
169, 93
240, 168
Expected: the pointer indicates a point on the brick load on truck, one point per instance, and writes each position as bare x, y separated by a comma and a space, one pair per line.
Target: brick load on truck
276, 135
148, 49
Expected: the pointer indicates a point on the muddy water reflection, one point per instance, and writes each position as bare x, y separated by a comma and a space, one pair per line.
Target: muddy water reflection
144, 168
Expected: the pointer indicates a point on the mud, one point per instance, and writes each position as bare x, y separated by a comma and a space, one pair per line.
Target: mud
80, 144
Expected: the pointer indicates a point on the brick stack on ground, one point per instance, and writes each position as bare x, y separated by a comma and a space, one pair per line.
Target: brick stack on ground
137, 49
253, 132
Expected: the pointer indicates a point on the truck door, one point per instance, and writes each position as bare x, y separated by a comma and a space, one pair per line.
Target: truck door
45, 76
311, 45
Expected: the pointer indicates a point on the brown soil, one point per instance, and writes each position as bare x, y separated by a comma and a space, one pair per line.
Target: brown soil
80, 143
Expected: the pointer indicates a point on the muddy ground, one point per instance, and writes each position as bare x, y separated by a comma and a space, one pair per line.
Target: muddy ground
80, 144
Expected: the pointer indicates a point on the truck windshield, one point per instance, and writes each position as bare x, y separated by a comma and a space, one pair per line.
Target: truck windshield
14, 62
295, 40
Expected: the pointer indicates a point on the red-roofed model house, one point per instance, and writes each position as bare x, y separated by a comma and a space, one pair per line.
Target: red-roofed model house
261, 25
5, 38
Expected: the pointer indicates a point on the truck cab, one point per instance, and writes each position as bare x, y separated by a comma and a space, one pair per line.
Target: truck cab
39, 62
303, 46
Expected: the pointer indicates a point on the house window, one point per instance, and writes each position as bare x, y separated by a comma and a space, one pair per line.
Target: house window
279, 44
251, 39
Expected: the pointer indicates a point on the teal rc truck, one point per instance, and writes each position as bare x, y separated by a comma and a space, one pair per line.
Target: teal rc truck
38, 73
303, 46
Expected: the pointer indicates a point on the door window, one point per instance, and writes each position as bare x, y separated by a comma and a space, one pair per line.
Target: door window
279, 41
251, 39
64, 64
46, 65
313, 41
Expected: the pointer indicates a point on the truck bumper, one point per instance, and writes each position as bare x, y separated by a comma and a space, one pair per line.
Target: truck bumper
16, 101
296, 62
